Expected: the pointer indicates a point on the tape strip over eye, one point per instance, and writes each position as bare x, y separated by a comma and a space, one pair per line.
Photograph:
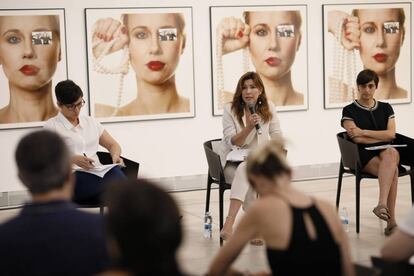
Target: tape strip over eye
287, 30
167, 34
42, 38
391, 27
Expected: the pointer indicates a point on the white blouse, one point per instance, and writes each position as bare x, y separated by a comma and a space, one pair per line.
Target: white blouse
231, 126
81, 139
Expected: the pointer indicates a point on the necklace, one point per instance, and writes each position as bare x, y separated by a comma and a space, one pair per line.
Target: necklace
122, 68
343, 69
220, 70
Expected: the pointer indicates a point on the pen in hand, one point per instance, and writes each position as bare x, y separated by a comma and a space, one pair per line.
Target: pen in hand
90, 162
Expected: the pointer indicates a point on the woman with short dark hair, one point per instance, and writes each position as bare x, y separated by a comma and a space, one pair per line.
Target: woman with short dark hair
83, 136
369, 122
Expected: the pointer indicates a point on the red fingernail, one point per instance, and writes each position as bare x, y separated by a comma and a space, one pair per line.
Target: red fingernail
347, 33
240, 34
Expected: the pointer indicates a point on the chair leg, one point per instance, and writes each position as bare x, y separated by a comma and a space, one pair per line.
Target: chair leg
209, 181
338, 191
412, 187
357, 199
221, 210
101, 210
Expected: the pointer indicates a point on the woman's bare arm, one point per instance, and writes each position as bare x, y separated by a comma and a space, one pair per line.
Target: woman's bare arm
365, 136
108, 142
245, 231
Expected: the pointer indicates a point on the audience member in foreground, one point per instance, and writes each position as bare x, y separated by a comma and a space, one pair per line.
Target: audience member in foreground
50, 236
144, 229
400, 246
83, 136
303, 235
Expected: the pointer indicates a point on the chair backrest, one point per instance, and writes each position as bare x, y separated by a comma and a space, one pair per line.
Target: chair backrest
361, 270
215, 169
131, 167
392, 268
349, 151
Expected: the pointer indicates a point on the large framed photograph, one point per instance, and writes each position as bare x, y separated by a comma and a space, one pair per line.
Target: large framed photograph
140, 63
271, 40
367, 36
32, 61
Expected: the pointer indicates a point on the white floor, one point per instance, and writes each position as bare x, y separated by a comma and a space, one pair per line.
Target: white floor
196, 252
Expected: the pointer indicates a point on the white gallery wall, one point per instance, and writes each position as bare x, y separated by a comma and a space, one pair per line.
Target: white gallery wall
173, 147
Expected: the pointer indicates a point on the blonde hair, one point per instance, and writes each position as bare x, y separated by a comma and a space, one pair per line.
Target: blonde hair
269, 160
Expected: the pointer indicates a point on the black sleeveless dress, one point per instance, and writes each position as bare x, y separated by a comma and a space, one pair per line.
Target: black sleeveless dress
305, 256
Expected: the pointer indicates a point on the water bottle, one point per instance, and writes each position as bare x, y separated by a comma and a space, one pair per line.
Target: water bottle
207, 226
343, 214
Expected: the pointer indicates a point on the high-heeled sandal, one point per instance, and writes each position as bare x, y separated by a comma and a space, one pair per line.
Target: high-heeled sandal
381, 211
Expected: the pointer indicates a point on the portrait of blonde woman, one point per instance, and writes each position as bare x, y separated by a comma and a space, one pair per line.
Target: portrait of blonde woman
269, 40
31, 52
137, 55
375, 37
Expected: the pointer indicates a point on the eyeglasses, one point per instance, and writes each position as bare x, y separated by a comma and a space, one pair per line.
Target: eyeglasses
74, 106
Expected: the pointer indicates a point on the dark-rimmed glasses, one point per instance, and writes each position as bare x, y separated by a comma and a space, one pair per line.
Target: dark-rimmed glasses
74, 106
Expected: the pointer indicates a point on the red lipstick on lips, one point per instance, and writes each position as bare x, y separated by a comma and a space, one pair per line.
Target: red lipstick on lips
381, 57
155, 65
29, 70
273, 61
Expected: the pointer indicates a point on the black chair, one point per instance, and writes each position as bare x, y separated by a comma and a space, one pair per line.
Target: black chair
130, 170
362, 270
392, 268
350, 163
215, 176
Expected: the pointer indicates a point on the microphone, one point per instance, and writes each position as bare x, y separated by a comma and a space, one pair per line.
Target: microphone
252, 109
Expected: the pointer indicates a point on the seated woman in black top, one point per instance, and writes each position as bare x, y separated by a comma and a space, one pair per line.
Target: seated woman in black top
303, 235
369, 122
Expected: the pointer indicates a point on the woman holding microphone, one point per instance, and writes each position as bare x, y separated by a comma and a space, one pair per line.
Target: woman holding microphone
247, 121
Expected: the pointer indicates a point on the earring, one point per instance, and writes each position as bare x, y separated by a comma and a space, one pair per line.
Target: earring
259, 101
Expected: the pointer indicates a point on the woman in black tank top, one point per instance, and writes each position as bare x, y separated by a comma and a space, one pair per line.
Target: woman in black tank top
303, 236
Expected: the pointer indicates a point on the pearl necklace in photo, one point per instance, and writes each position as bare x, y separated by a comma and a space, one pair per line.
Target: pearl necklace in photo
220, 71
344, 69
122, 69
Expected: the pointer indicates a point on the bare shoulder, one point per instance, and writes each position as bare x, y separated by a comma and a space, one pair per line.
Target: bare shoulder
400, 93
103, 110
183, 105
4, 116
296, 98
268, 203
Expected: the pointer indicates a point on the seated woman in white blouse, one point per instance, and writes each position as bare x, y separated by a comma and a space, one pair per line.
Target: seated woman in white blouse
240, 131
83, 135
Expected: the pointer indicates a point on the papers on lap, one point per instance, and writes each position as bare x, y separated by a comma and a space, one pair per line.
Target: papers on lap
385, 147
99, 170
237, 155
